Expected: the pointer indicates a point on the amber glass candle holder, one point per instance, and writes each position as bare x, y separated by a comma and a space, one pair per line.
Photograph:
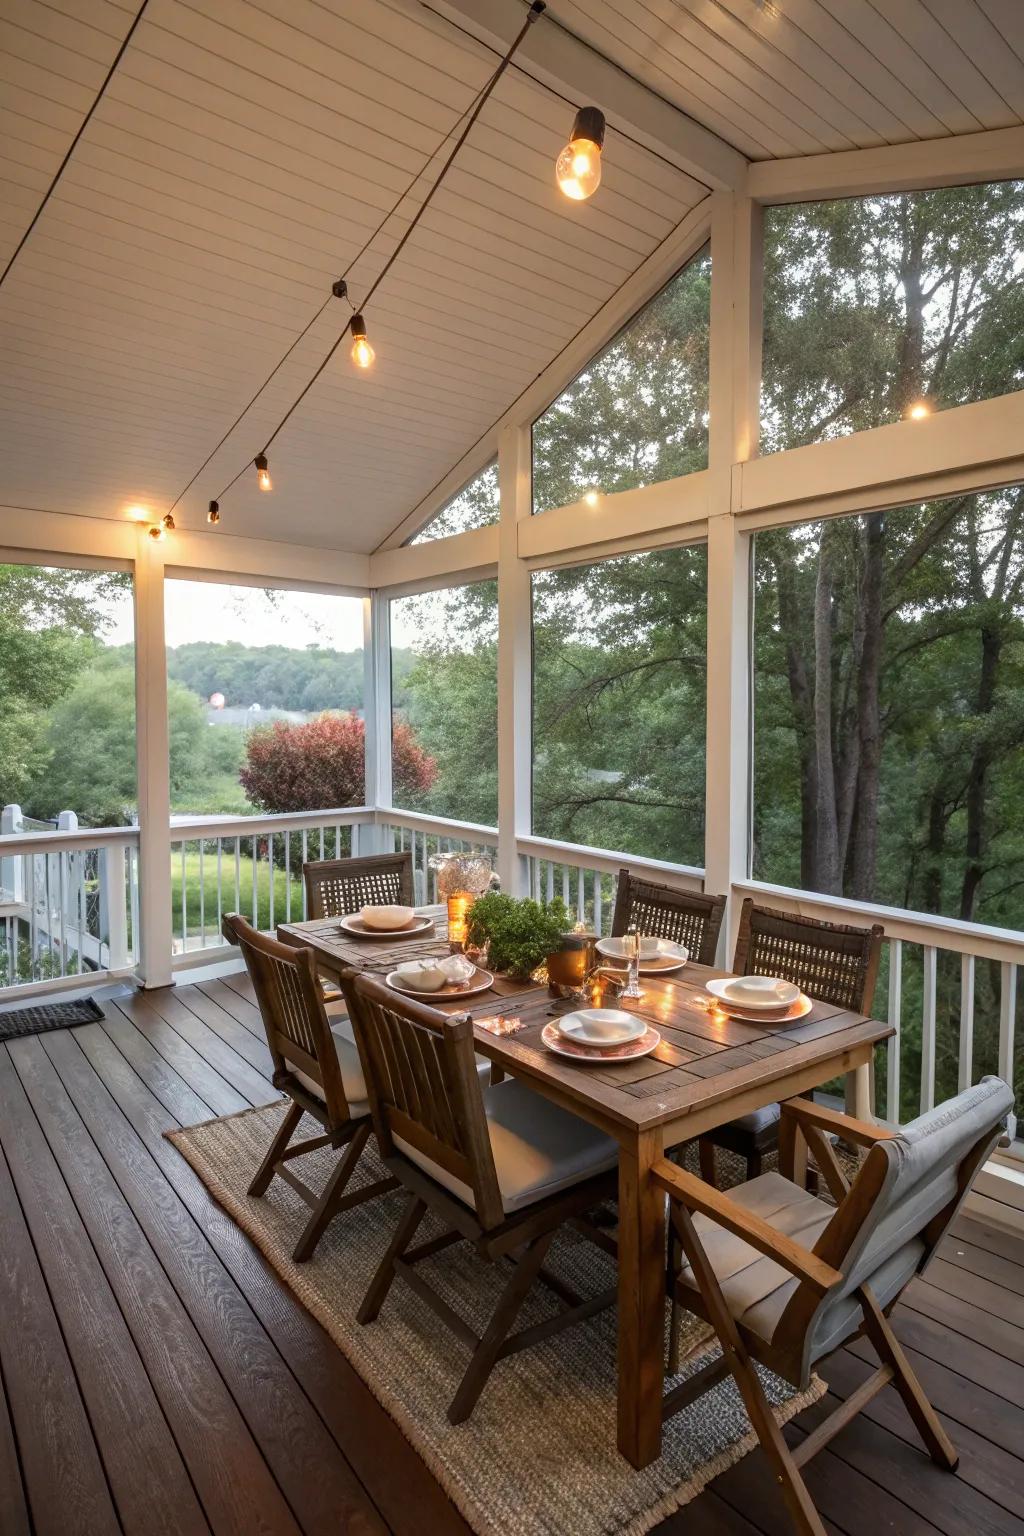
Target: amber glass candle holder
459, 903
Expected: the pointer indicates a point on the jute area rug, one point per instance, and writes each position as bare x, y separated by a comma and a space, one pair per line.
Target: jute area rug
538, 1456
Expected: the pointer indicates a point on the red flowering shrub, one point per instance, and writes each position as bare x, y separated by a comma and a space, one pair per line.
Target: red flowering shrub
319, 764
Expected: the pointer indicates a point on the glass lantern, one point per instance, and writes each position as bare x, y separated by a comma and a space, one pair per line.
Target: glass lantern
461, 878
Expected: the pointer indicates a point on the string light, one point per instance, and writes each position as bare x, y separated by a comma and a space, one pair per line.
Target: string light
578, 167
263, 472
592, 497
157, 533
919, 410
213, 513
362, 353
168, 522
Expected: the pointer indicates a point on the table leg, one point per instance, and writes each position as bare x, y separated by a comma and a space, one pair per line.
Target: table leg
859, 1098
641, 1301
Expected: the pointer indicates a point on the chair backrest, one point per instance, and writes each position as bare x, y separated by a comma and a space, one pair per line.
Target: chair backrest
829, 961
662, 912
291, 1003
901, 1204
338, 887
423, 1087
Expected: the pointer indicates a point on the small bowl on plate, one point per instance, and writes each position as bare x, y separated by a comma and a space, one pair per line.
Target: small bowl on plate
422, 975
601, 1026
753, 993
385, 919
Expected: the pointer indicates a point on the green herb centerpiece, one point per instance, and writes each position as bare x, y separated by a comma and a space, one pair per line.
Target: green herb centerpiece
520, 933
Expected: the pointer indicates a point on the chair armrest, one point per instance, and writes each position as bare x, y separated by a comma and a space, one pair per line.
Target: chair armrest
860, 1132
696, 1195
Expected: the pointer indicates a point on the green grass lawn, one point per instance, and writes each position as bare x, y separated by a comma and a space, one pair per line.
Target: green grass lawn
264, 918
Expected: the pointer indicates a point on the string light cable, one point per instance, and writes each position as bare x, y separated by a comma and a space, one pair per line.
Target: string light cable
359, 335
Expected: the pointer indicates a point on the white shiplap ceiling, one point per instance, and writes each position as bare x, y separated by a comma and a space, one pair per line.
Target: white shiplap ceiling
798, 77
244, 152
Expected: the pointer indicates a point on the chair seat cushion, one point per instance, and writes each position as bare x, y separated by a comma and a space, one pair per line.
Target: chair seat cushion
538, 1148
756, 1289
757, 1120
352, 1068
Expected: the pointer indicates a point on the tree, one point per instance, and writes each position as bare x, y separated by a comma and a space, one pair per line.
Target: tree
319, 765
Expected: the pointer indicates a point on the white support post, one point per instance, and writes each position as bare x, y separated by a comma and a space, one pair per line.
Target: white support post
515, 659
152, 766
734, 390
113, 867
379, 790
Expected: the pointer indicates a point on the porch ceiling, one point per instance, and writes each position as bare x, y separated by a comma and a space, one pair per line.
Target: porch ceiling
242, 155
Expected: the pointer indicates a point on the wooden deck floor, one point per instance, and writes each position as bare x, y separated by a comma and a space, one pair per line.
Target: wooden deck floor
155, 1377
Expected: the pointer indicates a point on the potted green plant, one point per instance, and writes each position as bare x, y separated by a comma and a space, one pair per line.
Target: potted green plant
519, 933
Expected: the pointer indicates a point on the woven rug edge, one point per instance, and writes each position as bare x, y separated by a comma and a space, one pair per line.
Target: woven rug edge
476, 1517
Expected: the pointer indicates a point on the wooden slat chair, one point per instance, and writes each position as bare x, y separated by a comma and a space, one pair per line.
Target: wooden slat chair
503, 1168
338, 887
662, 912
316, 1063
830, 962
785, 1278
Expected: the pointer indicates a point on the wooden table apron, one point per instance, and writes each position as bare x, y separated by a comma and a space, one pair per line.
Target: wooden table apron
707, 1070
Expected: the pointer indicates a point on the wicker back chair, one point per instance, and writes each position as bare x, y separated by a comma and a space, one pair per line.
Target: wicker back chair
785, 1278
502, 1168
338, 887
831, 962
317, 1065
662, 912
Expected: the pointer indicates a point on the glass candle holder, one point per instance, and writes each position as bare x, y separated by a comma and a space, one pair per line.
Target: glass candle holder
459, 903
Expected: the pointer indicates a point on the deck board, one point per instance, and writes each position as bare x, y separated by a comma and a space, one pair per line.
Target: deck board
114, 1252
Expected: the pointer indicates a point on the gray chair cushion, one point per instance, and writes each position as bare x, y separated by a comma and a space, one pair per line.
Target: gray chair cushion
538, 1148
756, 1289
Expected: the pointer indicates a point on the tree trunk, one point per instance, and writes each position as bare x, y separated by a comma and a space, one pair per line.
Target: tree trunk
869, 728
977, 782
803, 712
827, 871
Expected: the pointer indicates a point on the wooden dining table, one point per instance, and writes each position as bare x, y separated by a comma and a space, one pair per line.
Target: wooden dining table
707, 1070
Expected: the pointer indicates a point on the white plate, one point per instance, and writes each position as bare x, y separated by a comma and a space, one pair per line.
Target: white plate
754, 993
354, 925
562, 1046
798, 1010
601, 1028
669, 957
480, 983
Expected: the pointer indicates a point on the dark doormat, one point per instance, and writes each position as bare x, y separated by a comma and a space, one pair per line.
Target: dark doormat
36, 1021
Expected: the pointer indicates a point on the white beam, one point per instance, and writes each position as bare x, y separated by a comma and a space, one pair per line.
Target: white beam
515, 660
655, 514
152, 765
995, 155
471, 556
649, 278
563, 61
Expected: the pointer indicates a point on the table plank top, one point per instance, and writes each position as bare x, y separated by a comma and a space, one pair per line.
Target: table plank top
703, 1057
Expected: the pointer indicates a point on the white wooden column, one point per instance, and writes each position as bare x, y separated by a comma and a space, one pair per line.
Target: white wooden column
515, 659
733, 426
152, 766
377, 714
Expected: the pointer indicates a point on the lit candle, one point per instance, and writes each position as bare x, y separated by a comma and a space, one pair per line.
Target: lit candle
459, 903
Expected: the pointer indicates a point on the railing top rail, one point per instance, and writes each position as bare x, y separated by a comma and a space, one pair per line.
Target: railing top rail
416, 821
185, 831
949, 933
608, 862
13, 843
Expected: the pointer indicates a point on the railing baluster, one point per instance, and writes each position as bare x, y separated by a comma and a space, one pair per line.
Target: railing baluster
550, 888
184, 900
220, 885
255, 852
321, 842
598, 914
202, 893
238, 874
928, 1029
79, 867
271, 880
287, 877
1007, 1019
965, 1074
581, 900
892, 1047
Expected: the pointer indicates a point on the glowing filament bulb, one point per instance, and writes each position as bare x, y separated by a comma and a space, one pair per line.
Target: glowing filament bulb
362, 353
591, 497
157, 532
919, 410
213, 513
262, 472
578, 167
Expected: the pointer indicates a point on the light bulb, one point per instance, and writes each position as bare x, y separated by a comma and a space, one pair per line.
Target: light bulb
168, 522
919, 410
362, 353
262, 472
578, 167
213, 512
592, 497
157, 533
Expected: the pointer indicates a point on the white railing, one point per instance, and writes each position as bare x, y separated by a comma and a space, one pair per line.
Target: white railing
69, 911
252, 865
585, 878
951, 996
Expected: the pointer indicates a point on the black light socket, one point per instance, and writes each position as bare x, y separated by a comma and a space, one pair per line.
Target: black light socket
340, 288
358, 325
589, 124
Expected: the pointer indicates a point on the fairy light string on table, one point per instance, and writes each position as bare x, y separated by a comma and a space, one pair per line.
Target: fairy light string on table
577, 174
